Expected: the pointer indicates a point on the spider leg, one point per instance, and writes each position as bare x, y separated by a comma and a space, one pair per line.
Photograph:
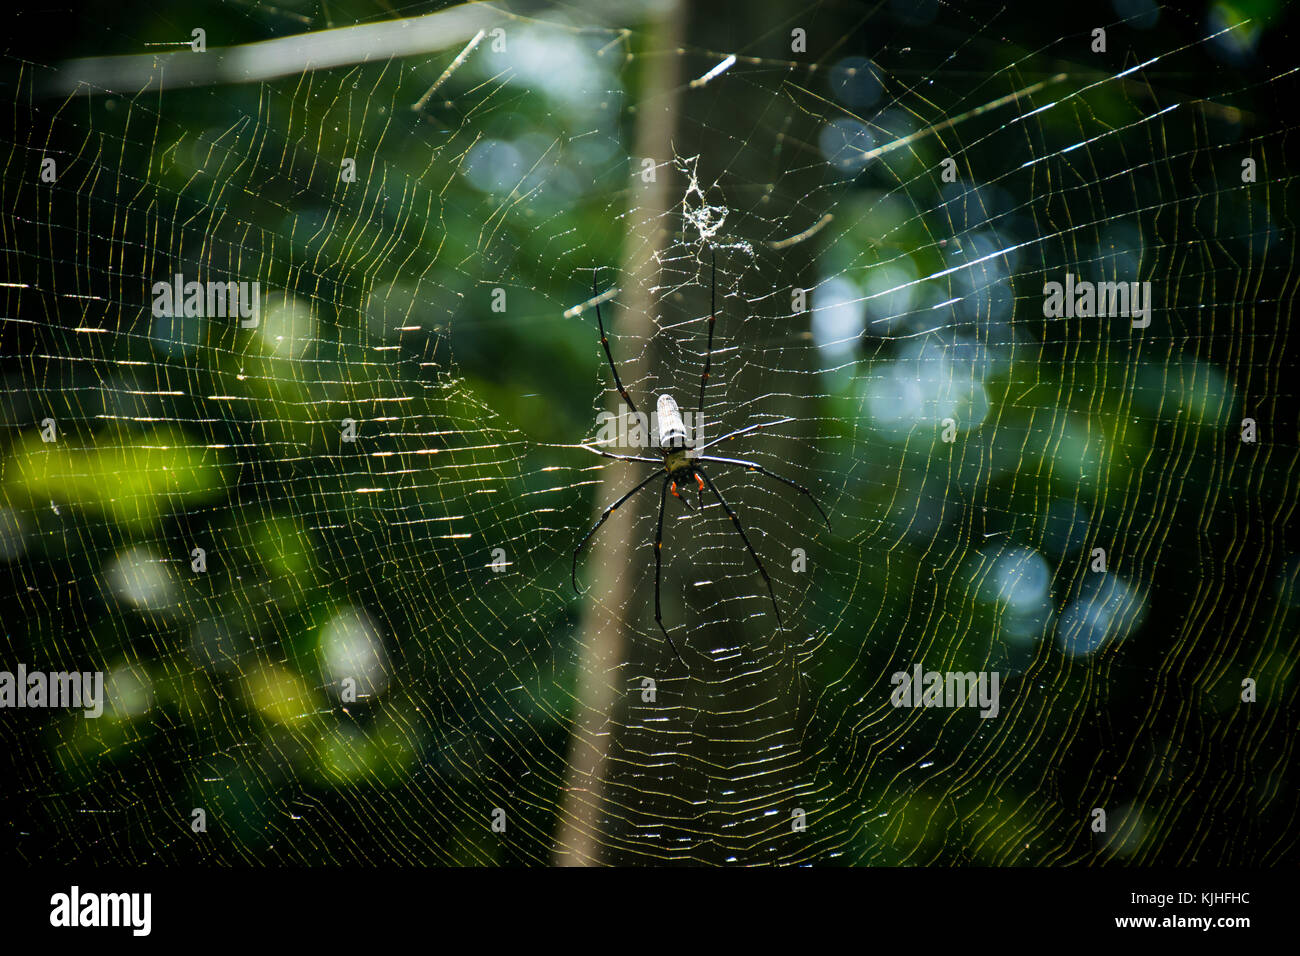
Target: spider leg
763, 471
604, 340
708, 355
659, 546
607, 454
604, 516
738, 432
745, 538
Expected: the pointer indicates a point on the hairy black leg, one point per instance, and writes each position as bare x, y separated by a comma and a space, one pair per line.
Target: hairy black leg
659, 546
745, 538
610, 454
708, 355
771, 474
604, 515
708, 358
604, 340
741, 431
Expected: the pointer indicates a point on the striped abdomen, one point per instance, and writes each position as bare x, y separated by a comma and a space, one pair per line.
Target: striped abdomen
672, 431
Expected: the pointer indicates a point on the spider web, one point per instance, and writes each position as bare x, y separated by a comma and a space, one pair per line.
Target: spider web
880, 310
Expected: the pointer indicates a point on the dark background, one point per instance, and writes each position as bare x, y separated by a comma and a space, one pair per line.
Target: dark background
488, 690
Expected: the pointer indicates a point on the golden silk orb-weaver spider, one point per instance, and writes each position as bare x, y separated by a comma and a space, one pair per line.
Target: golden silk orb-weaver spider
679, 463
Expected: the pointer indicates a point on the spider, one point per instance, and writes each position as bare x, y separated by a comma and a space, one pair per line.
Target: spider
679, 463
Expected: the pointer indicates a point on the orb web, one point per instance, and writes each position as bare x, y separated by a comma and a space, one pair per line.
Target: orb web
382, 659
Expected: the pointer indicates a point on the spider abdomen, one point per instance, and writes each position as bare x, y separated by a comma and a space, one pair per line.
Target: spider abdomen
672, 430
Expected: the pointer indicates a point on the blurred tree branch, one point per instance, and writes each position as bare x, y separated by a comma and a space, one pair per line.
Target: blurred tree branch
602, 640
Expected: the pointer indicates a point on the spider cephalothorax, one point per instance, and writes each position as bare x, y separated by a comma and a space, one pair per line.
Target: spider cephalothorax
681, 462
